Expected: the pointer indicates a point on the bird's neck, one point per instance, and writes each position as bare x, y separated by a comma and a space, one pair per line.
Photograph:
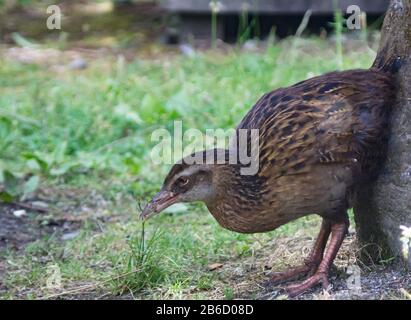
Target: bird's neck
236, 196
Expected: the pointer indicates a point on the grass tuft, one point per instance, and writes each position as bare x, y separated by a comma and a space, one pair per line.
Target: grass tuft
141, 265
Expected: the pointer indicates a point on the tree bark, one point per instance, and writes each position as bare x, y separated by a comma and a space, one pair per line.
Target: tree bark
381, 208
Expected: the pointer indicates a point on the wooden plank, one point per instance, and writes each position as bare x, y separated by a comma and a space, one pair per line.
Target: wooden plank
273, 6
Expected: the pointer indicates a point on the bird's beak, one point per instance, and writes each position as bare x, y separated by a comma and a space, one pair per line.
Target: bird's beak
161, 201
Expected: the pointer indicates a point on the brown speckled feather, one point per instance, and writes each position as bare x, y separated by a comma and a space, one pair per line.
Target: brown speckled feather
339, 117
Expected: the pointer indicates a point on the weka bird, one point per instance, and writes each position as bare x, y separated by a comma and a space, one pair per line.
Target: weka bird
319, 140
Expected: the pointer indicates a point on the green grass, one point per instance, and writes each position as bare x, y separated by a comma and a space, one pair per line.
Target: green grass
78, 130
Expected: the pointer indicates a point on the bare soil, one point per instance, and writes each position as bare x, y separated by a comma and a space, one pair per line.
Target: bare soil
17, 232
383, 282
350, 279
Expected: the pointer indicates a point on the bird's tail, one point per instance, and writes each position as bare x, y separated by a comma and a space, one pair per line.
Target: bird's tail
395, 50
388, 62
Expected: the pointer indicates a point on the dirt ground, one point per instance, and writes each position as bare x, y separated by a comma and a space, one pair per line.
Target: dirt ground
17, 232
382, 282
350, 279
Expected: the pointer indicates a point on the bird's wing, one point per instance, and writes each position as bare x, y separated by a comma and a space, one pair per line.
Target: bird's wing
328, 119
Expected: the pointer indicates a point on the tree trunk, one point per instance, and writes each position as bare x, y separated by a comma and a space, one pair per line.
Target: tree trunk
384, 206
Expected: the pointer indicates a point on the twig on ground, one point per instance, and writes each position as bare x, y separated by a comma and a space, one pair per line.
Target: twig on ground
406, 294
89, 286
30, 207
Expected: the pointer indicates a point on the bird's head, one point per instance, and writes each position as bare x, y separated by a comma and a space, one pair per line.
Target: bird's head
185, 183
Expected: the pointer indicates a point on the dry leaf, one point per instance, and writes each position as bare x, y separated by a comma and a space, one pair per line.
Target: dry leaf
215, 266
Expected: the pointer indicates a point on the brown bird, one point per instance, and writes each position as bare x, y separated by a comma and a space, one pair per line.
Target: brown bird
319, 141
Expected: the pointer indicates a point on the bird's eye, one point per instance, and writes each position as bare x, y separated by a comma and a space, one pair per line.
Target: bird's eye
182, 182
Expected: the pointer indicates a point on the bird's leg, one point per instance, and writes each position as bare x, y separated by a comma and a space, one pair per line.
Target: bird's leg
338, 232
310, 263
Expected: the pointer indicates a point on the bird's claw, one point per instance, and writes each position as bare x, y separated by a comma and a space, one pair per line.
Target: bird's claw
295, 290
293, 274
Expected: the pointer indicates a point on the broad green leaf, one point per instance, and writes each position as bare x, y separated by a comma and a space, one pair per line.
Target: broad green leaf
31, 185
59, 152
11, 183
6, 197
150, 108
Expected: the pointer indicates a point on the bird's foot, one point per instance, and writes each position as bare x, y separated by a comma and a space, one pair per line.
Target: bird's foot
293, 274
295, 290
